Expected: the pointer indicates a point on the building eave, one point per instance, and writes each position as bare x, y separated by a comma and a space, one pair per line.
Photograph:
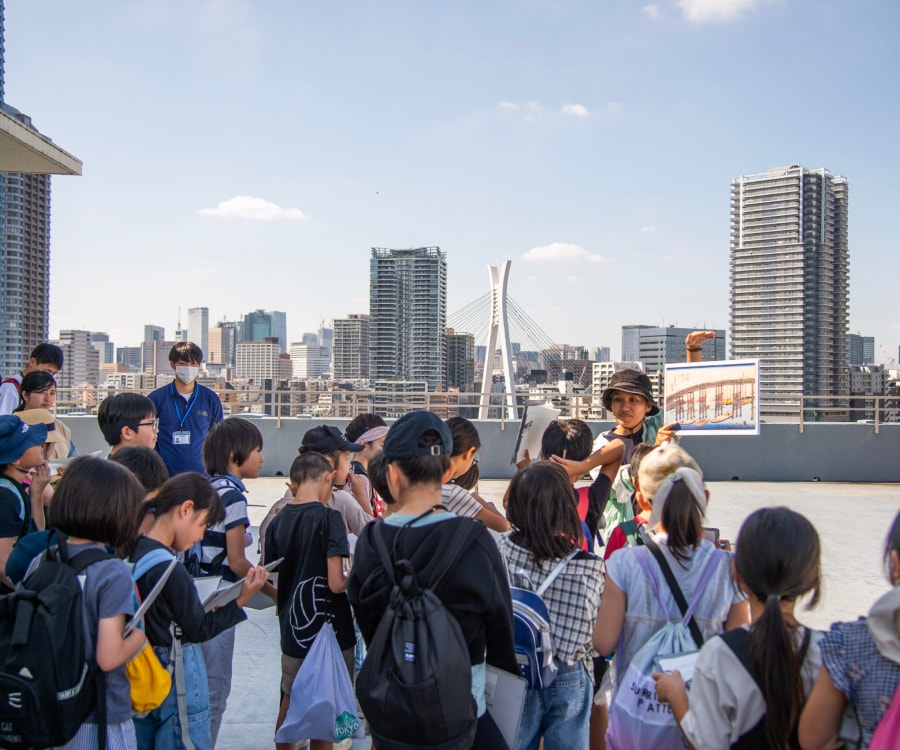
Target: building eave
23, 149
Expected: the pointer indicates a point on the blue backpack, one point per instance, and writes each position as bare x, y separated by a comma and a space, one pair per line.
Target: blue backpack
531, 629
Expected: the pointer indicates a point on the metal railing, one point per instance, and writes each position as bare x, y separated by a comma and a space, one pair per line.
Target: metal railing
337, 403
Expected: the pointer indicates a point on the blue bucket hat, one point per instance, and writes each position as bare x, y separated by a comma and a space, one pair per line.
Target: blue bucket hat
16, 437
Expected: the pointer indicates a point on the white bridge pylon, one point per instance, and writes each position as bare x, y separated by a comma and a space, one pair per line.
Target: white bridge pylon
499, 329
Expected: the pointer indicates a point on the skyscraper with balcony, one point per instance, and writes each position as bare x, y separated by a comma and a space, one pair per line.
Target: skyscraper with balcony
790, 283
351, 348
408, 315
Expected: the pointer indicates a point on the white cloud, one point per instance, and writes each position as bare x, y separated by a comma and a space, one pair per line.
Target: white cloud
508, 105
652, 12
649, 230
576, 110
711, 11
247, 208
572, 279
561, 251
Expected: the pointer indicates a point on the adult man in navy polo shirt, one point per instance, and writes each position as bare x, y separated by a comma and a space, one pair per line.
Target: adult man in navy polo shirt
187, 411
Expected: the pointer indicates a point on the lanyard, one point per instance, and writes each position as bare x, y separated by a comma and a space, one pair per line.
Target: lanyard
190, 405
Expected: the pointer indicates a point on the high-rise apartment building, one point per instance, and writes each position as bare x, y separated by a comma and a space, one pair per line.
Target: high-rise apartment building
789, 283
460, 361
81, 361
408, 315
24, 265
350, 348
631, 342
198, 328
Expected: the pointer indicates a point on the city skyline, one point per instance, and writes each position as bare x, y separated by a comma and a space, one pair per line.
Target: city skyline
592, 144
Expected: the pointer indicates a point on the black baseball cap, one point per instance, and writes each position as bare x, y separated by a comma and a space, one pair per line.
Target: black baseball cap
630, 381
403, 439
328, 439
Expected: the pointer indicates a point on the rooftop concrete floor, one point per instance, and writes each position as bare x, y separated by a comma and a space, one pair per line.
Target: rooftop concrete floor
852, 520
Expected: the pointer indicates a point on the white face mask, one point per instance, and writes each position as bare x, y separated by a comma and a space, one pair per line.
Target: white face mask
187, 374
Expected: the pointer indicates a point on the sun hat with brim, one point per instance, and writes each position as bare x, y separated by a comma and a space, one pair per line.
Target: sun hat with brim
44, 417
404, 438
328, 439
630, 381
16, 437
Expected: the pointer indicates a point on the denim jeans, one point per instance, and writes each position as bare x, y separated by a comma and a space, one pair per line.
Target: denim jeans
218, 653
161, 728
560, 713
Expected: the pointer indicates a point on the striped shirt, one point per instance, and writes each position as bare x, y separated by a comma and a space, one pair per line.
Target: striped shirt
231, 490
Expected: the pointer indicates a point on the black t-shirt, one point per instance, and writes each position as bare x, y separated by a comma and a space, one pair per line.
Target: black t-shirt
306, 535
179, 602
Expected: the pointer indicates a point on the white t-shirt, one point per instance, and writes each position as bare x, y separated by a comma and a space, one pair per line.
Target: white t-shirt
725, 701
643, 615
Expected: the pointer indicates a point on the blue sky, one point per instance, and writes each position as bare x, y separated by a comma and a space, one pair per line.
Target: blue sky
244, 154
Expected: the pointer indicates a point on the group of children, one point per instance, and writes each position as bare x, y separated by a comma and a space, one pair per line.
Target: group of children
761, 678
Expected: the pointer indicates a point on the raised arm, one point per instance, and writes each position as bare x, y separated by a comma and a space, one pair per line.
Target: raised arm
693, 343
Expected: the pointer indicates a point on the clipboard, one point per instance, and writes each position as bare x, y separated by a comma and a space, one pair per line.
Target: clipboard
535, 419
150, 598
504, 694
232, 591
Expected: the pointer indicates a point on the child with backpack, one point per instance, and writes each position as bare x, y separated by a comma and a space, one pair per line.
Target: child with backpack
96, 632
545, 542
232, 452
425, 570
678, 579
185, 506
860, 666
749, 684
21, 506
313, 542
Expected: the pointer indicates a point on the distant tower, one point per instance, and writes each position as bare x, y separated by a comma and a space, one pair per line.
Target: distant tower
408, 315
198, 328
789, 283
499, 330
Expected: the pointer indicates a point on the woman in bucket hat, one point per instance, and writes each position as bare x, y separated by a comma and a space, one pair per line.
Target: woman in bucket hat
629, 397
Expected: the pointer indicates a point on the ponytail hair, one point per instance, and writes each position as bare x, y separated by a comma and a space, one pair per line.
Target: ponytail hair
682, 518
777, 559
181, 488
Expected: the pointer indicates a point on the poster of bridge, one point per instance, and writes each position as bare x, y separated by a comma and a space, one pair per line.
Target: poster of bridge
714, 398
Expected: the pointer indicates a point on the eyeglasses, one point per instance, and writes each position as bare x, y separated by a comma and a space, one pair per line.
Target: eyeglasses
153, 424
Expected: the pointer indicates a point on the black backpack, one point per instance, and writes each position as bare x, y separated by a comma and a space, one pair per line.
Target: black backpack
47, 688
415, 686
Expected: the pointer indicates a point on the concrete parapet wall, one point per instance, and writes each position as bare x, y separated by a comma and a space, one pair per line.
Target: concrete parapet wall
831, 452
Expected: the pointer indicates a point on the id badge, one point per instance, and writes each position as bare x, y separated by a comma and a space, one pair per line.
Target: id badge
181, 437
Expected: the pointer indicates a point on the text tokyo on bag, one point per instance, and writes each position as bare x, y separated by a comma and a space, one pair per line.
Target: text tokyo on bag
323, 706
